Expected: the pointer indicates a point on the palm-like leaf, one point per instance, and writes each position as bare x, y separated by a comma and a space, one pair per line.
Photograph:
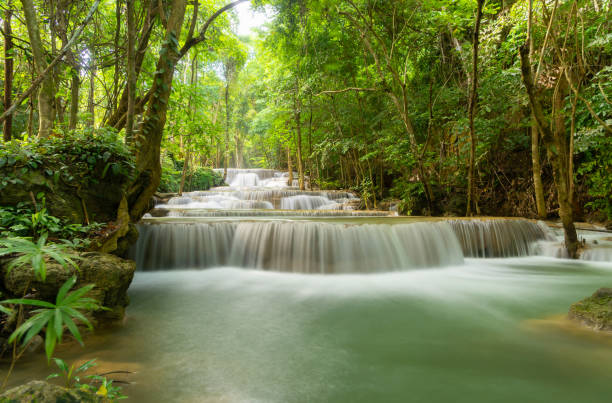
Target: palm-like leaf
34, 253
56, 317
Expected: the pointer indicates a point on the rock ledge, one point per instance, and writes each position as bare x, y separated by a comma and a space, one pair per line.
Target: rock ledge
594, 311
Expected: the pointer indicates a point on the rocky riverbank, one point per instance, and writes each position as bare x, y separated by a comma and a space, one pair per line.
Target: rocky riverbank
594, 311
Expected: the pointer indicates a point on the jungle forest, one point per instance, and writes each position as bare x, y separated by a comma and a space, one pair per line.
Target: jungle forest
306, 200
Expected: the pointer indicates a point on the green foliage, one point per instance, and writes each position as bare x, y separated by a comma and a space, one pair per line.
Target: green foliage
196, 179
22, 221
55, 317
99, 385
596, 170
70, 373
34, 253
84, 156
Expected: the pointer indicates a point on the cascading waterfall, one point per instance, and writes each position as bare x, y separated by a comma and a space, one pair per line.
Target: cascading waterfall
258, 189
306, 247
324, 247
499, 237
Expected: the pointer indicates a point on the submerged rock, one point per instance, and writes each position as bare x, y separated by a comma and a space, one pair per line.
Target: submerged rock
594, 311
44, 392
111, 275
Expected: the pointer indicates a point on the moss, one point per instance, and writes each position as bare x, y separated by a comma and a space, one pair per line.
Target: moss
594, 311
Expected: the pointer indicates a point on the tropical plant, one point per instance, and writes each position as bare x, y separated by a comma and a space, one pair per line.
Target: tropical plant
70, 373
34, 253
98, 383
55, 317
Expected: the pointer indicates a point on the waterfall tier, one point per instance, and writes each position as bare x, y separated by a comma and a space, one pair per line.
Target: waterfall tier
258, 198
324, 247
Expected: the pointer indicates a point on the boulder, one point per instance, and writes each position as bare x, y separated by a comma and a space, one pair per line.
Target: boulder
44, 392
594, 311
110, 274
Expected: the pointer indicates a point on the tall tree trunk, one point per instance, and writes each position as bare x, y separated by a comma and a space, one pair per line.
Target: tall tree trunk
131, 73
289, 167
227, 123
91, 108
298, 128
537, 171
535, 135
75, 84
148, 155
46, 93
556, 143
472, 109
7, 127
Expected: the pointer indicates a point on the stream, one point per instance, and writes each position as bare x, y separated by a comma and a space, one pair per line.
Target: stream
259, 292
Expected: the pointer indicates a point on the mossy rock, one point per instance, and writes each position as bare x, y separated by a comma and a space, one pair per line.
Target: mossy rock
44, 392
111, 275
594, 311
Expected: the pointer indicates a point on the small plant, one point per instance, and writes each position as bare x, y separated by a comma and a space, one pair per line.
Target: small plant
72, 379
106, 389
55, 317
70, 373
34, 254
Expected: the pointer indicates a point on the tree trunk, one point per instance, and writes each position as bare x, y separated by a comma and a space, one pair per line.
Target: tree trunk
46, 93
556, 144
298, 128
75, 83
535, 135
7, 127
289, 167
91, 108
227, 123
537, 172
148, 155
131, 73
472, 109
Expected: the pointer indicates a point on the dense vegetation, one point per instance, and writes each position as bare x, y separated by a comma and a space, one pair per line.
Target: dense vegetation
463, 107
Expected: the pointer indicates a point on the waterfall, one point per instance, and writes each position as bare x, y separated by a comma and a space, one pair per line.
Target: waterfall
264, 210
324, 247
241, 197
499, 237
307, 202
242, 180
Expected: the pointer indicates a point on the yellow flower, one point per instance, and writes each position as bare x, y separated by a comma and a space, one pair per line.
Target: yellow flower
102, 391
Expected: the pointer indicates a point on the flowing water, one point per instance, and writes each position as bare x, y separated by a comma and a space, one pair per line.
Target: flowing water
319, 308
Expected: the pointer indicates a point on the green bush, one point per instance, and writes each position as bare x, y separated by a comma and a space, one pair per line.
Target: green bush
196, 179
84, 156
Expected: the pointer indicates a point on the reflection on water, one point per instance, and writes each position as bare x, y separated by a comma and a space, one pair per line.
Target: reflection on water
469, 333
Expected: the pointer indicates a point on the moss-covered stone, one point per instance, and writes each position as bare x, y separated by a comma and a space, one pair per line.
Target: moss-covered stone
111, 275
594, 311
83, 175
44, 392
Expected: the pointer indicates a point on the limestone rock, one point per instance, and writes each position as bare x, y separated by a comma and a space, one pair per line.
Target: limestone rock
111, 275
594, 311
44, 392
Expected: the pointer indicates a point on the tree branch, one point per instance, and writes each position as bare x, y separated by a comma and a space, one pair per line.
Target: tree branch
346, 90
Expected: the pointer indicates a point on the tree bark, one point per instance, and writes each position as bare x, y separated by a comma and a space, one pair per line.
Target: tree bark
538, 188
7, 127
148, 155
298, 129
227, 123
131, 73
91, 109
75, 84
46, 94
556, 144
289, 167
472, 108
